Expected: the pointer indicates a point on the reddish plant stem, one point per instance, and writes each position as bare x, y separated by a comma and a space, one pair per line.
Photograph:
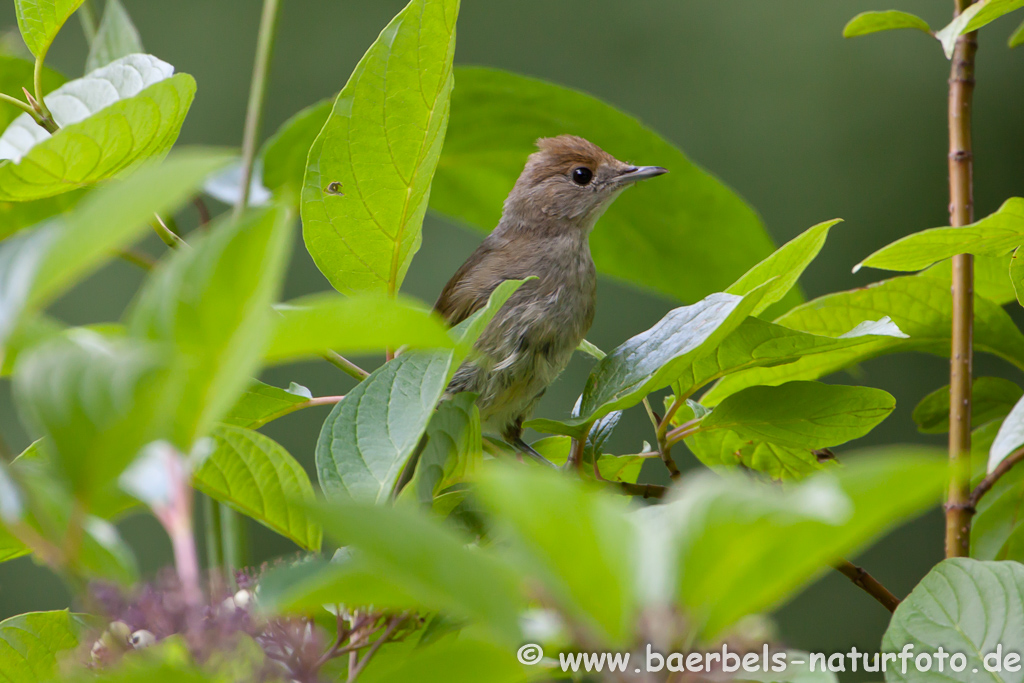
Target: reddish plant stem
961, 212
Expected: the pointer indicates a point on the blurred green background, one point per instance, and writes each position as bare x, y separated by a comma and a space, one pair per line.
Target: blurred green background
768, 96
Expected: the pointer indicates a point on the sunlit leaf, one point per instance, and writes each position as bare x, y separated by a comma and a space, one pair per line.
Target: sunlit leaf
258, 477
964, 607
991, 398
116, 37
40, 20
31, 643
262, 403
971, 19
110, 120
368, 173
688, 216
1017, 275
872, 22
994, 235
284, 153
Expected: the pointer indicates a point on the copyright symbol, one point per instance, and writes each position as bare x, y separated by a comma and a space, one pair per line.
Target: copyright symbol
531, 653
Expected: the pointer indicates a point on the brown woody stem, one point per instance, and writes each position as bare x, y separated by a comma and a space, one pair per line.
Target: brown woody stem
869, 584
986, 484
961, 212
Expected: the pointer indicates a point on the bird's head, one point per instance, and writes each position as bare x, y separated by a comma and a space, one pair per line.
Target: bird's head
572, 179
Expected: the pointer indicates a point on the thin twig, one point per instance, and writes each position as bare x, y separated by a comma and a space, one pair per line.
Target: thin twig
345, 365
641, 490
24, 106
682, 431
393, 625
870, 584
990, 480
168, 236
202, 210
137, 258
961, 212
257, 95
577, 449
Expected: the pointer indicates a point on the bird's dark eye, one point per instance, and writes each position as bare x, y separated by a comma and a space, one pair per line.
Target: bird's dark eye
582, 175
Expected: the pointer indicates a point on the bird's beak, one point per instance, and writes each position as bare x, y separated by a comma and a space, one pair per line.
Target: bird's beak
635, 173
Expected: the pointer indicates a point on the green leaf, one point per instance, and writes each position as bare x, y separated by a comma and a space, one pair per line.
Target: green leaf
724, 448
920, 307
429, 560
37, 266
469, 330
1018, 37
98, 400
1017, 274
31, 643
997, 528
211, 304
284, 153
990, 281
757, 343
612, 467
311, 325
461, 660
1010, 436
256, 476
657, 357
587, 562
971, 19
368, 438
991, 398
40, 20
262, 403
784, 267
16, 216
872, 22
379, 148
115, 38
745, 548
15, 74
962, 606
688, 216
110, 120
453, 447
994, 235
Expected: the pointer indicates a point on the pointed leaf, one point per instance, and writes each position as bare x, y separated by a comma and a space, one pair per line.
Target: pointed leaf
971, 19
991, 398
115, 38
262, 403
368, 173
920, 307
40, 20
364, 323
1018, 37
31, 643
724, 448
744, 548
872, 22
962, 606
110, 120
784, 267
256, 476
994, 235
211, 304
688, 216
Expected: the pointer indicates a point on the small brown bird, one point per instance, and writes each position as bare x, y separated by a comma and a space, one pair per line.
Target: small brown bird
543, 232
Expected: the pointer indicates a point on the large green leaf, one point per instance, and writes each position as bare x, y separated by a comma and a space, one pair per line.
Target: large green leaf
657, 357
38, 265
40, 20
368, 173
453, 446
211, 305
997, 529
744, 548
430, 561
368, 438
364, 323
994, 235
920, 307
31, 643
255, 475
724, 448
110, 120
587, 561
991, 398
963, 607
1017, 275
784, 267
115, 38
990, 281
15, 74
262, 403
98, 400
757, 343
284, 153
971, 19
801, 414
872, 22
686, 217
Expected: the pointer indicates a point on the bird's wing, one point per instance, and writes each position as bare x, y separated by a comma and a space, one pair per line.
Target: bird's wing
468, 290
